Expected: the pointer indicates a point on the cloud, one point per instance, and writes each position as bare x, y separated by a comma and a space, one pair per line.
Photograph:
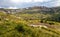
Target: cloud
54, 3
22, 1
12, 7
42, 0
57, 3
0, 7
28, 3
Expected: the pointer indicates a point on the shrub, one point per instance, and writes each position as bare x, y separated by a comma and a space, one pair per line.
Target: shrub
51, 23
20, 28
41, 21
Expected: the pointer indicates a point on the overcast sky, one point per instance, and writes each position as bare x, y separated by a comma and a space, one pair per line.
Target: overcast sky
28, 3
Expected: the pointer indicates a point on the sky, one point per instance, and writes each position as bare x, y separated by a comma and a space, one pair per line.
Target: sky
28, 3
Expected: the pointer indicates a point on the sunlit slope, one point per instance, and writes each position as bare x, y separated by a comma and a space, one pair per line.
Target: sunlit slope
14, 26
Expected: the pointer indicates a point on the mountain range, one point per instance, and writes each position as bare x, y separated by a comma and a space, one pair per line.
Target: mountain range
42, 9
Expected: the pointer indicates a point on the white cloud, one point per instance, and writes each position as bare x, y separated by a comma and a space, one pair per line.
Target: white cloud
57, 3
0, 7
15, 1
42, 0
19, 1
12, 7
27, 1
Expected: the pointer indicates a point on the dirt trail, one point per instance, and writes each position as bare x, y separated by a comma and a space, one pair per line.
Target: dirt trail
45, 25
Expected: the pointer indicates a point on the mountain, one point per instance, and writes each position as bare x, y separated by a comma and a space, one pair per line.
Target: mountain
38, 9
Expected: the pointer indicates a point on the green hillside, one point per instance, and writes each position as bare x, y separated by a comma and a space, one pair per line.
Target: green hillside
18, 25
32, 22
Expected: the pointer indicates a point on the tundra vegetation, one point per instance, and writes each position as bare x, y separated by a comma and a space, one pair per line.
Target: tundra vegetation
19, 24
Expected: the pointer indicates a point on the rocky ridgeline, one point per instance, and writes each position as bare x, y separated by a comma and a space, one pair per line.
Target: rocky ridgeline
42, 9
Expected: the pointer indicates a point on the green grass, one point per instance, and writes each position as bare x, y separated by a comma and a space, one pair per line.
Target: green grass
18, 27
22, 30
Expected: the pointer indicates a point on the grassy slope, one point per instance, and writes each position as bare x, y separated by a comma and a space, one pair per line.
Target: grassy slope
11, 26
22, 30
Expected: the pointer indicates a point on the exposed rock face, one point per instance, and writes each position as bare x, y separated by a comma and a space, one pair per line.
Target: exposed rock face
10, 10
35, 8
